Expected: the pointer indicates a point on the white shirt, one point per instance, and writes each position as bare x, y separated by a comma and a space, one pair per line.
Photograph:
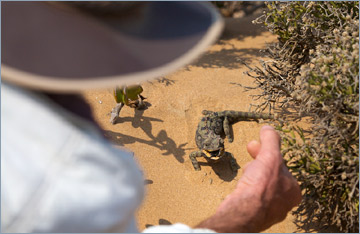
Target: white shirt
58, 174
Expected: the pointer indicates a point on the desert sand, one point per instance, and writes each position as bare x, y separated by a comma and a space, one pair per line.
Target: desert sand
162, 136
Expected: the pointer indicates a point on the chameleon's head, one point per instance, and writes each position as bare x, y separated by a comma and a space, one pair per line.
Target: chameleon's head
213, 147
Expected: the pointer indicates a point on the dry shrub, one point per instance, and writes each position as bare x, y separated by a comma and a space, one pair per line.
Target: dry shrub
313, 74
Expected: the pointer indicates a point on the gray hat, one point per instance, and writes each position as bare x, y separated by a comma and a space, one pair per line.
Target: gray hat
72, 46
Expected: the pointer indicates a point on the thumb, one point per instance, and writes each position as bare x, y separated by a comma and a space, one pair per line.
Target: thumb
270, 145
253, 148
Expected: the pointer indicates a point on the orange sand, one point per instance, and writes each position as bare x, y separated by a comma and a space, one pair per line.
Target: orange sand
162, 136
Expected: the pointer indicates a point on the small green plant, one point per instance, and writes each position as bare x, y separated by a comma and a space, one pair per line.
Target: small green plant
313, 75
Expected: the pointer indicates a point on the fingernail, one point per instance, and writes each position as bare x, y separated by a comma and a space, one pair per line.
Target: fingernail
267, 127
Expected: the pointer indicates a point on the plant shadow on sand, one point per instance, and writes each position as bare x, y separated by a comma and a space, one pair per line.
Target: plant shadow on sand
161, 141
232, 58
163, 80
229, 58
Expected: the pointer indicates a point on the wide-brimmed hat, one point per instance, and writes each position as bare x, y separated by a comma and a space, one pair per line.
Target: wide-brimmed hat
72, 46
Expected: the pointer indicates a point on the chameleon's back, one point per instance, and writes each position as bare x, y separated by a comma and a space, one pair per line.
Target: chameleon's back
214, 126
237, 115
208, 128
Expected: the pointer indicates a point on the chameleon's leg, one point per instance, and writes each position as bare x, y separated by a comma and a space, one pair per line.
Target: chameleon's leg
194, 162
226, 126
233, 164
115, 112
141, 103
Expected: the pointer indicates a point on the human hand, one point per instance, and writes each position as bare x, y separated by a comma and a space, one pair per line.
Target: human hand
265, 193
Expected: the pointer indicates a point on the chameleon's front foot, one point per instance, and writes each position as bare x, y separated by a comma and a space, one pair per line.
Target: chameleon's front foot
194, 162
140, 105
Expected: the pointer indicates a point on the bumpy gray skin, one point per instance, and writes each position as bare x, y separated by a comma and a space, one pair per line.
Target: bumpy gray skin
211, 132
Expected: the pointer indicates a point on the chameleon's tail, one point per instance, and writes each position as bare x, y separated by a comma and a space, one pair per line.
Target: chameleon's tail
238, 114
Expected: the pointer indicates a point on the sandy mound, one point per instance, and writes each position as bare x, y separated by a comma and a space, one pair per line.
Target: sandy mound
162, 136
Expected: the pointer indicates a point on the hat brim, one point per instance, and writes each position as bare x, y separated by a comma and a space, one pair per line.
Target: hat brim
49, 48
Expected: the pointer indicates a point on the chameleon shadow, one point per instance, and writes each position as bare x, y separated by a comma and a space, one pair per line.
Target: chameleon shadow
222, 168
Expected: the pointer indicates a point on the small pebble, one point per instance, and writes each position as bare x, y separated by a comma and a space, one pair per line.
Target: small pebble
211, 180
100, 101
